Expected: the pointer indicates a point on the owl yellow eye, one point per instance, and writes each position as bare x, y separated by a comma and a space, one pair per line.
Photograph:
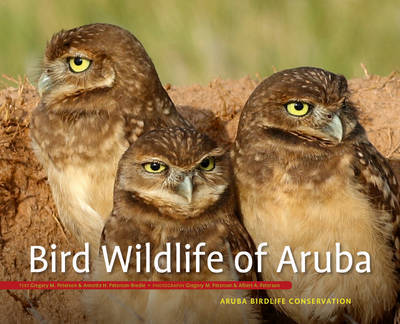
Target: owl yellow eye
298, 108
78, 64
154, 167
207, 164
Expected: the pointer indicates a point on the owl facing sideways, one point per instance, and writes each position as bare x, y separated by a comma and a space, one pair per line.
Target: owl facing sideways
308, 177
173, 185
99, 92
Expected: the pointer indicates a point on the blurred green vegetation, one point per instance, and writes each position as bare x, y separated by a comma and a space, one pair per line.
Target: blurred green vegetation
196, 41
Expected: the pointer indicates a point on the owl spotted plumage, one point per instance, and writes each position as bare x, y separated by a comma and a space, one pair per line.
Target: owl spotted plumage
99, 93
174, 186
308, 177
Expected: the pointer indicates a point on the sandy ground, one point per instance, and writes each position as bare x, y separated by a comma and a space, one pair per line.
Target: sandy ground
27, 212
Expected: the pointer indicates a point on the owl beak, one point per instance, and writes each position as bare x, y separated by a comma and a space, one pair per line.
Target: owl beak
185, 188
43, 83
334, 129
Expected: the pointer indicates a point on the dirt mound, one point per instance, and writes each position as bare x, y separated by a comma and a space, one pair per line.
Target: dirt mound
27, 212
378, 101
28, 217
214, 109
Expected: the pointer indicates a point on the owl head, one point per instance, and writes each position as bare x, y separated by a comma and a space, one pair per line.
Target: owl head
302, 106
178, 171
89, 64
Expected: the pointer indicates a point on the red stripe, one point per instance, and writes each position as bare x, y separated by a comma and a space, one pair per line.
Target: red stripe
84, 285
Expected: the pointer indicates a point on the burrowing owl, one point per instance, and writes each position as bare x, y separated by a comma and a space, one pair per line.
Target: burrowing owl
100, 91
308, 177
174, 186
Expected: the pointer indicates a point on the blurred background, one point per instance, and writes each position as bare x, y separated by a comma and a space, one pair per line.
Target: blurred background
196, 41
